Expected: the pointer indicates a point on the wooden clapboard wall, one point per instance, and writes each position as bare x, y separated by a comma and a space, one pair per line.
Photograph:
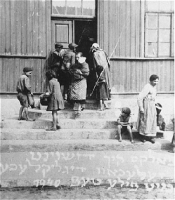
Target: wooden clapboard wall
25, 40
121, 27
119, 24
131, 75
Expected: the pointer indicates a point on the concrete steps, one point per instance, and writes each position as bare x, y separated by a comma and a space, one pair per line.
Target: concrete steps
69, 114
41, 134
66, 145
83, 149
91, 104
63, 123
82, 168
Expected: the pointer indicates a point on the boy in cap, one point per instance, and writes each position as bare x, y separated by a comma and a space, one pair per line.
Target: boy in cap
55, 59
123, 124
24, 89
68, 61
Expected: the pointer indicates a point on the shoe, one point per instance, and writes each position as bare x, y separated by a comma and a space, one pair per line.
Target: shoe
152, 140
22, 118
58, 127
120, 140
143, 140
51, 129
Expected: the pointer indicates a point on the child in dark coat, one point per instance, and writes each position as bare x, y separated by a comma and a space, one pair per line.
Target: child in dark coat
123, 124
56, 101
24, 90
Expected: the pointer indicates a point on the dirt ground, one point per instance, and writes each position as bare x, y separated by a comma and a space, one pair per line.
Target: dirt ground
89, 192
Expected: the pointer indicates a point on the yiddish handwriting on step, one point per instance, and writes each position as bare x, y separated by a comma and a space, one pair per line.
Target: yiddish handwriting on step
77, 181
82, 168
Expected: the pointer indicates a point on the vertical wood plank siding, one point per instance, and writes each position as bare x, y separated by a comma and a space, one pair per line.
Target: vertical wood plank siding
12, 68
23, 27
131, 76
120, 25
24, 31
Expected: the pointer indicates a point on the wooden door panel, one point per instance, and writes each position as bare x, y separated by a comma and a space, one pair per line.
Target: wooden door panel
62, 32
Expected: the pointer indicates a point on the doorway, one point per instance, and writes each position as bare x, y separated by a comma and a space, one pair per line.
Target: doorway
83, 32
85, 36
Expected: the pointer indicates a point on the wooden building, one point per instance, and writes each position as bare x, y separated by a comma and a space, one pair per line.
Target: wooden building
137, 35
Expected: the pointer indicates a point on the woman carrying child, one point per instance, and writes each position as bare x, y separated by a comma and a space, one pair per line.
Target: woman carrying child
123, 123
55, 101
78, 87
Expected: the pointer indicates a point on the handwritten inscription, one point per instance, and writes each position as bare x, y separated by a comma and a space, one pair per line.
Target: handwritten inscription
84, 181
81, 168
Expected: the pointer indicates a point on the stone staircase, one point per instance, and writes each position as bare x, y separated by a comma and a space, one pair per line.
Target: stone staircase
92, 134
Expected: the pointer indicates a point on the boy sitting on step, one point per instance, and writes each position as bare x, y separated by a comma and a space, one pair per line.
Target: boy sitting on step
123, 123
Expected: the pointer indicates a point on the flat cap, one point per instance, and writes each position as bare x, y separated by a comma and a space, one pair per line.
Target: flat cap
72, 45
27, 69
58, 45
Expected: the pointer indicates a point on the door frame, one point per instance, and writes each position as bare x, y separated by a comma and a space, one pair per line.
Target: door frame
70, 34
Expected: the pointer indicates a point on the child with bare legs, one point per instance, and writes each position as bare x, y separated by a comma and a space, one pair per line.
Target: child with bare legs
56, 101
123, 124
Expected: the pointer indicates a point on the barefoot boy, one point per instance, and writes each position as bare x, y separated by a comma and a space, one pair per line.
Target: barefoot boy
24, 88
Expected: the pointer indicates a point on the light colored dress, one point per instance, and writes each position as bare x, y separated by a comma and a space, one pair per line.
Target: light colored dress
56, 101
147, 122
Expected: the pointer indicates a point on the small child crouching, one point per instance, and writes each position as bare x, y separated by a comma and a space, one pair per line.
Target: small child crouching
123, 123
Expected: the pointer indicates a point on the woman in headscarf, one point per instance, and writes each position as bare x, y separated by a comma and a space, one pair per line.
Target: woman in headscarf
147, 121
78, 87
102, 67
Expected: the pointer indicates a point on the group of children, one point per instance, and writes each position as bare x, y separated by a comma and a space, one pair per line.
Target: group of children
56, 102
55, 99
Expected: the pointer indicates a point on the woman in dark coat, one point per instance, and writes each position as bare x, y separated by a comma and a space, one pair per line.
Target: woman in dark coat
102, 66
78, 87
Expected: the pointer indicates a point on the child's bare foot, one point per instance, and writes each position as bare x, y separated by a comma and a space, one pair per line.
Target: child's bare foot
132, 141
120, 140
51, 129
21, 118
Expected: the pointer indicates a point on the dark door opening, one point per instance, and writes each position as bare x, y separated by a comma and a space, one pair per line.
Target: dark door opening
85, 35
